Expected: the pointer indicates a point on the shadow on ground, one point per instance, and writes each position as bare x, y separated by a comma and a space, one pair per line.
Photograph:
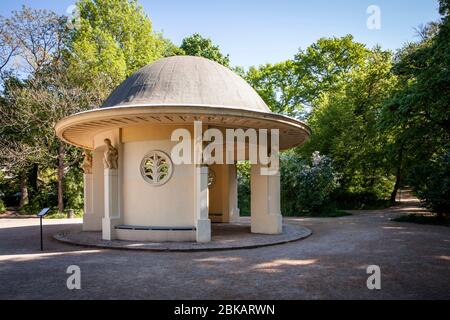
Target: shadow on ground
331, 264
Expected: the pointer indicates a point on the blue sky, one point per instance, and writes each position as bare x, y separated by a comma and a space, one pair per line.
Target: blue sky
254, 32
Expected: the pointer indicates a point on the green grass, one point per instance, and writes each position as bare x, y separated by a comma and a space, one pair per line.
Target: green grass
54, 214
422, 219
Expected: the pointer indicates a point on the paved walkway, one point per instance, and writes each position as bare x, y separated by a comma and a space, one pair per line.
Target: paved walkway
235, 236
331, 264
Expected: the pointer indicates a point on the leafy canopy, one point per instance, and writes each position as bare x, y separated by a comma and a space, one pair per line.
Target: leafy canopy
113, 40
196, 45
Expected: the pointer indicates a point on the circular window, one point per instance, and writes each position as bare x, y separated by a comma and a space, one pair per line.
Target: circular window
156, 168
211, 178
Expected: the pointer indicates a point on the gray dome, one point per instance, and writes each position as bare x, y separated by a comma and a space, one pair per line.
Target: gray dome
188, 81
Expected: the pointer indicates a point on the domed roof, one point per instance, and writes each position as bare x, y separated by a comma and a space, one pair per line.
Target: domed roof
179, 91
187, 81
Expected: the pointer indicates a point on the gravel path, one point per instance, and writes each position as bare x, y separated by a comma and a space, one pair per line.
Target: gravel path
331, 264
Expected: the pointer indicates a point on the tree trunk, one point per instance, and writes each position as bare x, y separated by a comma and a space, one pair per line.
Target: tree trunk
397, 178
23, 191
396, 187
33, 178
61, 153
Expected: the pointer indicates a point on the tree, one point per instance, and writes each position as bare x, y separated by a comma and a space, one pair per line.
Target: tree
8, 45
114, 39
196, 45
418, 111
66, 68
327, 65
291, 87
432, 183
36, 38
170, 49
278, 85
308, 186
17, 151
31, 106
345, 125
29, 114
339, 87
35, 35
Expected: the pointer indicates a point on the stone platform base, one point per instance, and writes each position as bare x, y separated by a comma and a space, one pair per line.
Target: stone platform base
224, 237
155, 235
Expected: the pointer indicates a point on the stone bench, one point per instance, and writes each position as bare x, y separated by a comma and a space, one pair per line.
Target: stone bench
156, 234
129, 227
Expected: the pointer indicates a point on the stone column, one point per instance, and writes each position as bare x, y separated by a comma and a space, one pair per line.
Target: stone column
265, 202
88, 215
112, 216
233, 193
89, 221
201, 204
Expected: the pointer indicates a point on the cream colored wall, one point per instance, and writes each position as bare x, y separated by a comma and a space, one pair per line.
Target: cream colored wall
223, 194
233, 210
216, 190
93, 222
266, 216
99, 181
169, 205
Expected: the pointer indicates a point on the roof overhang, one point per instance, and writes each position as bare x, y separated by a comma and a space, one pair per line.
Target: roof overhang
81, 128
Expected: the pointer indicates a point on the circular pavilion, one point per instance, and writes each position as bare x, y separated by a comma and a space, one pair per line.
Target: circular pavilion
135, 190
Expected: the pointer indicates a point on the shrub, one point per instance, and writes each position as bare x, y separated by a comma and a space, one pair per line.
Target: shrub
2, 206
307, 187
243, 174
431, 183
73, 189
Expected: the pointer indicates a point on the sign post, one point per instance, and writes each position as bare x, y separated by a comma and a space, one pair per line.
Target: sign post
41, 215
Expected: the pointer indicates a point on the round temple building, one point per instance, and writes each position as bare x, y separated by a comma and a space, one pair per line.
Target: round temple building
139, 184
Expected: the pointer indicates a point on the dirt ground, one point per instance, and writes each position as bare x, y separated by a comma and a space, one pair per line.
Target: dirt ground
330, 264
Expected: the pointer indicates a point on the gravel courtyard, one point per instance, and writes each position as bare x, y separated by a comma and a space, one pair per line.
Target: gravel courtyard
330, 264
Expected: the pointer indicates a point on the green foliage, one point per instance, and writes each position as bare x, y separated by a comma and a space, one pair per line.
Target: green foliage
2, 206
73, 189
79, 68
307, 187
278, 86
328, 64
54, 214
345, 120
196, 45
419, 114
444, 7
431, 181
382, 120
292, 87
339, 86
115, 38
170, 49
45, 196
243, 176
